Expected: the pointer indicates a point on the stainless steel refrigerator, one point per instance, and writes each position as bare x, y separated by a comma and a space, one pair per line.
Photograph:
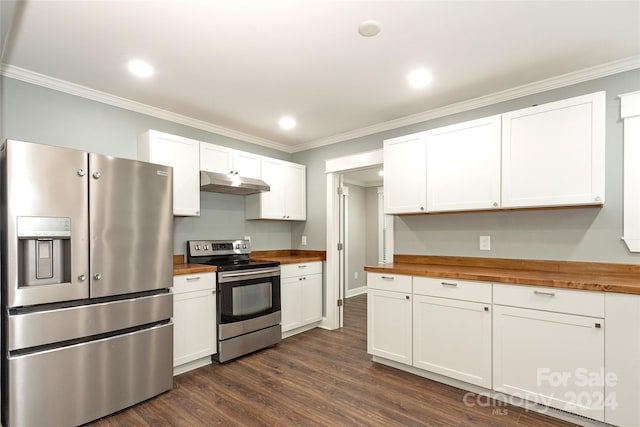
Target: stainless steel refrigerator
87, 244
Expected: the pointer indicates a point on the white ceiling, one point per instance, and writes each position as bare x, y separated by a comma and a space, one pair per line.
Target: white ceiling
240, 65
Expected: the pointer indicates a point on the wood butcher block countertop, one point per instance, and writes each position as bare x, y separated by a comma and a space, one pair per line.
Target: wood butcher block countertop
179, 267
289, 256
590, 276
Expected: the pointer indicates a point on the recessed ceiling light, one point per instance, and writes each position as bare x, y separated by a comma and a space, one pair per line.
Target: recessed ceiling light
287, 122
369, 28
419, 78
140, 68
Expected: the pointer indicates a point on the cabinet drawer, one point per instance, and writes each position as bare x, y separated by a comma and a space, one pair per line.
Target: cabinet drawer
389, 282
586, 303
301, 269
194, 282
453, 288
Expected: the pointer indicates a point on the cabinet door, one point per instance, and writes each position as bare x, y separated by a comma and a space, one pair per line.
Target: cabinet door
272, 202
463, 166
453, 338
194, 326
550, 358
405, 175
389, 322
247, 164
311, 298
215, 158
290, 303
183, 155
553, 154
295, 202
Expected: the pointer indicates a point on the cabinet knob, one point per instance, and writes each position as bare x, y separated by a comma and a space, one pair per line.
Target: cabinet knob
421, 208
598, 325
407, 297
486, 309
597, 198
495, 204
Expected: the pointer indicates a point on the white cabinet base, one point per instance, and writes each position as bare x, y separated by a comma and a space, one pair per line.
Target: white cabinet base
190, 366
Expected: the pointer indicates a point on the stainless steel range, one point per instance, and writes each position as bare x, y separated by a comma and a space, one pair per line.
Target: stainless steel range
248, 296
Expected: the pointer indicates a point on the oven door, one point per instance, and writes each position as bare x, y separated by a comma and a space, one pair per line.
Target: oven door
248, 294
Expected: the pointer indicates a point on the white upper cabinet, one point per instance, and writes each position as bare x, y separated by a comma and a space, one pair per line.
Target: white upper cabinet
216, 158
463, 166
553, 154
287, 199
405, 174
183, 155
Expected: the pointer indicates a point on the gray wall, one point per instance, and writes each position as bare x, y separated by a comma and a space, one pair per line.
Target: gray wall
37, 114
356, 247
590, 234
371, 233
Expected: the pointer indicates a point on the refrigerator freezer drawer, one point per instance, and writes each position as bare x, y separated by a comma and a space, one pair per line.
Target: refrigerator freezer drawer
52, 326
73, 385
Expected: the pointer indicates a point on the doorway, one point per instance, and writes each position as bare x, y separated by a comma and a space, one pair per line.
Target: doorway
335, 264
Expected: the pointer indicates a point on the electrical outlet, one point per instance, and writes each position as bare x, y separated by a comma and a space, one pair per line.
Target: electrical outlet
355, 275
485, 243
303, 241
248, 238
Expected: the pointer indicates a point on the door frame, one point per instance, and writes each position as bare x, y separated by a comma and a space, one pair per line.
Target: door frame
334, 168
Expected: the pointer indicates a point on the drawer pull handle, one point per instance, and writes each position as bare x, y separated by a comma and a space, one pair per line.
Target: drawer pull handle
302, 266
598, 325
486, 309
449, 284
388, 277
549, 294
190, 279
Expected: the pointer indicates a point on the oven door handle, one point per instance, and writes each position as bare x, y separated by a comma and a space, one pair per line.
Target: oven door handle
257, 273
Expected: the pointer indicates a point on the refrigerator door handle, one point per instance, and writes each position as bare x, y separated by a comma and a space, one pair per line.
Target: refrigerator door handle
82, 278
97, 276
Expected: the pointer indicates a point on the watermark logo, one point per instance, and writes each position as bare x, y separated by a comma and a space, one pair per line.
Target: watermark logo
580, 388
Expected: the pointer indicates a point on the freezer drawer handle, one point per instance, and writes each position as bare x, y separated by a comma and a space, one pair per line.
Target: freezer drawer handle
97, 276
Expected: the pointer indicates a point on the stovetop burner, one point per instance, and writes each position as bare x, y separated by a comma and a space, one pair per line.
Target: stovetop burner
227, 255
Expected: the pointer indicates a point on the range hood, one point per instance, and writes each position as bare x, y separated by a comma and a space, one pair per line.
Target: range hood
215, 182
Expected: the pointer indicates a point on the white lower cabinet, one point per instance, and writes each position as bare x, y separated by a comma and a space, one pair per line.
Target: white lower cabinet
452, 337
389, 318
552, 358
301, 295
194, 320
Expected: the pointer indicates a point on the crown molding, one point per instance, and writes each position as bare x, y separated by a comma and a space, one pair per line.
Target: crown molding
563, 80
127, 104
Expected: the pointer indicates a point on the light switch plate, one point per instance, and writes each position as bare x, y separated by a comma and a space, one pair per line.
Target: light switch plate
303, 241
485, 243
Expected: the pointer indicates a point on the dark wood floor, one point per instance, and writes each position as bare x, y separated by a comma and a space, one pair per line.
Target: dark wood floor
317, 378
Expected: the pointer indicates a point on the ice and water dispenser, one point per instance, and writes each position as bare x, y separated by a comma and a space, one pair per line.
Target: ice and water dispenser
44, 251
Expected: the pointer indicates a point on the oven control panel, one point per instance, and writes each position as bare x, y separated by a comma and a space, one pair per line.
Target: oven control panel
218, 247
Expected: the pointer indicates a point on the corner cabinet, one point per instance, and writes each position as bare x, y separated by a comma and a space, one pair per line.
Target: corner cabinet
554, 154
216, 158
194, 320
463, 166
389, 317
287, 199
183, 154
301, 296
405, 176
